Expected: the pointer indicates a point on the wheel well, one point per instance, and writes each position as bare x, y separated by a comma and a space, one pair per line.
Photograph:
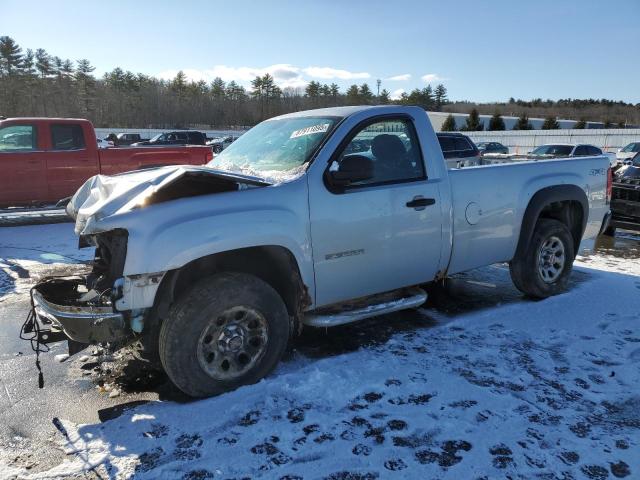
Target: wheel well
565, 203
274, 264
570, 213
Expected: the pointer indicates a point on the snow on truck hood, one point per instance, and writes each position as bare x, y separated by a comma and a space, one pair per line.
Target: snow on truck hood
102, 196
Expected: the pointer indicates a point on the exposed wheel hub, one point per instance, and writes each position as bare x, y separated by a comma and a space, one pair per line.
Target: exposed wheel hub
232, 343
231, 339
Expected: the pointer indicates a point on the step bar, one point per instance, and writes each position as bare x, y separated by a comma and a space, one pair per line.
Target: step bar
412, 298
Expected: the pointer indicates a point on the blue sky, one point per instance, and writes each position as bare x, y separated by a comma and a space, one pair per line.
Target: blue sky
481, 50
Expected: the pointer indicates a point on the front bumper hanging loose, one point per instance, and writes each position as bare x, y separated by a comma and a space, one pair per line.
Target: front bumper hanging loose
62, 315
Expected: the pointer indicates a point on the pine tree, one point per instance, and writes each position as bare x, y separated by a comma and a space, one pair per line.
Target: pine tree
218, 88
523, 123
426, 100
550, 123
496, 122
473, 123
10, 56
383, 99
580, 124
257, 88
67, 68
235, 92
366, 95
335, 90
43, 63
449, 124
353, 95
312, 90
178, 84
28, 63
440, 96
85, 83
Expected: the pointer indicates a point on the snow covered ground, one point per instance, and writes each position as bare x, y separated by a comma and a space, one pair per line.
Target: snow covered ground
525, 389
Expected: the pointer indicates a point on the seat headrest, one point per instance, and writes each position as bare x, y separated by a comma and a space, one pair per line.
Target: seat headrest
386, 146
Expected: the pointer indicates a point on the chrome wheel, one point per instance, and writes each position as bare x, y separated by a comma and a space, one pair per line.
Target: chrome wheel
232, 343
551, 259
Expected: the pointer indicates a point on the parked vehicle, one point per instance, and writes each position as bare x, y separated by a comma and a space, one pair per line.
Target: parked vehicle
563, 150
123, 139
625, 200
102, 143
491, 147
219, 144
44, 160
175, 138
458, 150
211, 270
626, 154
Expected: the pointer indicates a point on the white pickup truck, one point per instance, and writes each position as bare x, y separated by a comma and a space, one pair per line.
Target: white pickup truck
316, 218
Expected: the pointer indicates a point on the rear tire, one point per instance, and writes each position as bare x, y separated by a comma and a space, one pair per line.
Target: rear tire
226, 331
544, 269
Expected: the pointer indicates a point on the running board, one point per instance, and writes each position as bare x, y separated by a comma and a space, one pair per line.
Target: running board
410, 298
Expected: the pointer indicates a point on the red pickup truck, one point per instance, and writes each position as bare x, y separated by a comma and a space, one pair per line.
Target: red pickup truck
43, 160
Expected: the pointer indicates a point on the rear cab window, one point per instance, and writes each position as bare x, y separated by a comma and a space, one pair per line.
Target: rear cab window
461, 143
446, 144
18, 138
67, 137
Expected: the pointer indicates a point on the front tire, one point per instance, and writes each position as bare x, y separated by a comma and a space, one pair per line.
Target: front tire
228, 330
544, 269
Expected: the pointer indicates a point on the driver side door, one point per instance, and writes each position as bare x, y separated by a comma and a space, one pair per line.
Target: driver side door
378, 234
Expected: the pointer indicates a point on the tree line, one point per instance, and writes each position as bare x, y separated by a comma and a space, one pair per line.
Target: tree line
37, 83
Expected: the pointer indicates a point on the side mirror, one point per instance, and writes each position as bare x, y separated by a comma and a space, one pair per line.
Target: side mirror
352, 169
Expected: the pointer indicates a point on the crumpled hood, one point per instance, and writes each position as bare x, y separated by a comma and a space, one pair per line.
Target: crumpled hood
102, 196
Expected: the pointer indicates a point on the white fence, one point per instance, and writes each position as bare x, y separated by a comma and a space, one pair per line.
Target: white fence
522, 141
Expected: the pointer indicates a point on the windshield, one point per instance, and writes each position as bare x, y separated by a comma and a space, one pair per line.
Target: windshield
559, 150
157, 137
632, 147
275, 150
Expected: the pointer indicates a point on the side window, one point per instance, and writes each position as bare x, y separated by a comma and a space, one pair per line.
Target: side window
392, 148
67, 137
581, 150
594, 150
18, 138
182, 137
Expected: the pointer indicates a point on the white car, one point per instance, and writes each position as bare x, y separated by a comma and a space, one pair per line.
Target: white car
627, 153
560, 150
102, 143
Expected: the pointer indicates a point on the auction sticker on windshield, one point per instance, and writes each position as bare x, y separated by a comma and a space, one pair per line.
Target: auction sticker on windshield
310, 130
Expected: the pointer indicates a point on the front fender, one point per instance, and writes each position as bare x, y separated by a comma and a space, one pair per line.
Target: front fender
169, 235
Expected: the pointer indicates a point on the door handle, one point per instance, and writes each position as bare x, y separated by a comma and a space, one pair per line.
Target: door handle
420, 203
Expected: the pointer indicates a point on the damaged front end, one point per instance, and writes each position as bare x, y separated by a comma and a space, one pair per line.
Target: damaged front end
82, 308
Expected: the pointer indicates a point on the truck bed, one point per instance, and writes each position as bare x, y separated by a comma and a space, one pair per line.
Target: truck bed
485, 195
